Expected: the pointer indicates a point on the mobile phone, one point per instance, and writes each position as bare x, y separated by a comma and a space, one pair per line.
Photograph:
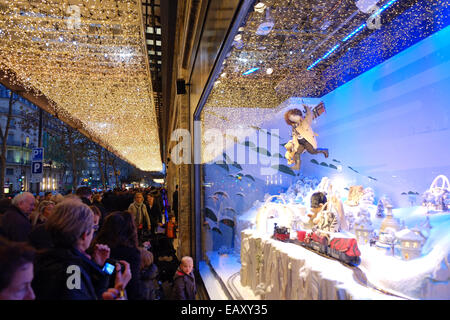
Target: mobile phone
109, 267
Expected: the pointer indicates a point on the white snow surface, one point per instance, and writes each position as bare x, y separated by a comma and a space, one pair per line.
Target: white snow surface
426, 277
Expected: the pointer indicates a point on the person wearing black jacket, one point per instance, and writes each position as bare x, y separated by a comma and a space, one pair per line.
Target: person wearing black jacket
85, 194
119, 233
97, 201
154, 211
175, 202
40, 238
15, 224
67, 272
184, 287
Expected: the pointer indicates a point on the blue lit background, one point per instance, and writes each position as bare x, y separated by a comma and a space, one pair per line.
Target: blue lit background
392, 123
387, 120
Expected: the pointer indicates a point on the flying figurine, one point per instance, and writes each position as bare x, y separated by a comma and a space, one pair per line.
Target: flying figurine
303, 137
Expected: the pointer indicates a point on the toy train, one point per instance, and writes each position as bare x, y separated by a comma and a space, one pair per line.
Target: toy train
281, 233
343, 249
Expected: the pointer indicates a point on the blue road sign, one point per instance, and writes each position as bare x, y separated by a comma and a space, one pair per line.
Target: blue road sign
36, 167
37, 154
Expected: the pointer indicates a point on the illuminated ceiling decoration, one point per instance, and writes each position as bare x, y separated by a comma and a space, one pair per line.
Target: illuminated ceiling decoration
89, 59
361, 27
307, 49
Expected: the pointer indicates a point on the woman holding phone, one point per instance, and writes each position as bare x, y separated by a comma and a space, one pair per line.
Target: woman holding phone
120, 235
67, 272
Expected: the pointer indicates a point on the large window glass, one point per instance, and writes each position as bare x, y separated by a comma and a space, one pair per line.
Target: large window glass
345, 98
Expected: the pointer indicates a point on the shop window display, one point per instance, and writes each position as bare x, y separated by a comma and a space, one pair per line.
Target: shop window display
363, 121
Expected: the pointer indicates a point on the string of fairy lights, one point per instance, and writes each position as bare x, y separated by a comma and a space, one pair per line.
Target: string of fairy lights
286, 49
89, 58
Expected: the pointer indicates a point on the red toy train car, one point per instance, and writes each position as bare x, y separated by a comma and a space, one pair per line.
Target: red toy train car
342, 249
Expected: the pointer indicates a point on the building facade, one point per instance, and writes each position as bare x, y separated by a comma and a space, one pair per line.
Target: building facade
22, 138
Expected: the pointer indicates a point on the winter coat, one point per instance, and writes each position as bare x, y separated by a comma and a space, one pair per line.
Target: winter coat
149, 282
154, 212
86, 201
16, 225
303, 128
140, 215
40, 238
171, 230
53, 277
133, 257
184, 287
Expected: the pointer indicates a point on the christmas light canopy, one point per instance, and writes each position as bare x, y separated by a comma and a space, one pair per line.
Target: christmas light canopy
88, 59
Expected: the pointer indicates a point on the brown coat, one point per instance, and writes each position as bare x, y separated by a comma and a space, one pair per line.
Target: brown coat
304, 129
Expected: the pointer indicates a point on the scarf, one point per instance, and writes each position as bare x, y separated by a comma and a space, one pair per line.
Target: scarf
139, 212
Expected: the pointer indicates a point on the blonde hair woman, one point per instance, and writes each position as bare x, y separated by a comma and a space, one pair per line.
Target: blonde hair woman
57, 198
140, 215
66, 271
43, 212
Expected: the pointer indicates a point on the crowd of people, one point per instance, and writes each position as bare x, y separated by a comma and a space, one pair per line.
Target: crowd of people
88, 246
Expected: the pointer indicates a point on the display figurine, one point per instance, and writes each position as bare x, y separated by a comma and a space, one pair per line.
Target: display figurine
355, 194
318, 200
326, 220
303, 137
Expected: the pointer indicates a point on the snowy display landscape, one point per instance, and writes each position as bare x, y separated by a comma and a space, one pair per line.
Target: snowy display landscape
424, 277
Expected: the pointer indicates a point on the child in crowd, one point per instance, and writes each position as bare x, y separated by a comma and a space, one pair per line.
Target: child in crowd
184, 287
148, 276
171, 229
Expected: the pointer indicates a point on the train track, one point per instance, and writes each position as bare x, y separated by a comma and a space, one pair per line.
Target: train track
358, 275
232, 288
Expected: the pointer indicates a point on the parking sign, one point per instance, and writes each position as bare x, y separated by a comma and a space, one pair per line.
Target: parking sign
36, 167
37, 154
37, 160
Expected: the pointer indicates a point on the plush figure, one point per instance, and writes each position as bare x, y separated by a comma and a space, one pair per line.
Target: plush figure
326, 220
355, 194
318, 200
303, 137
291, 151
327, 215
338, 208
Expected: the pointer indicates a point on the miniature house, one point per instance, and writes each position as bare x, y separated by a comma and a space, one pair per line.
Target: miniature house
364, 231
410, 243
